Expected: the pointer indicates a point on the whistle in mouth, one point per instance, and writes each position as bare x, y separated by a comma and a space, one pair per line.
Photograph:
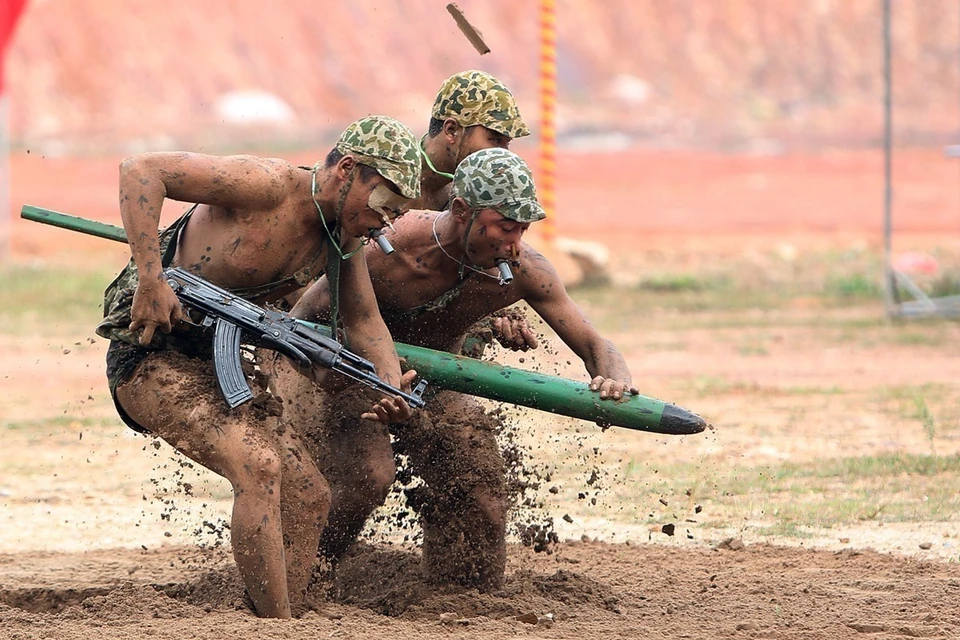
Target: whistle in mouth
382, 242
506, 275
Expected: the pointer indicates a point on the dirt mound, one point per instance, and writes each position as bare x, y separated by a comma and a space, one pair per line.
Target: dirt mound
585, 590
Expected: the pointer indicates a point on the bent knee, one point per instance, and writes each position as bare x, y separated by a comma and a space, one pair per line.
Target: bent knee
368, 485
482, 510
259, 471
313, 493
494, 507
378, 480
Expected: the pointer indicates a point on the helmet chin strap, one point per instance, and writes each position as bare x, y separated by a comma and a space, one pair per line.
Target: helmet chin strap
344, 190
338, 211
426, 158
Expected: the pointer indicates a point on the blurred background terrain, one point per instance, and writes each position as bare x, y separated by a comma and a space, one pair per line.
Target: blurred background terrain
682, 121
725, 74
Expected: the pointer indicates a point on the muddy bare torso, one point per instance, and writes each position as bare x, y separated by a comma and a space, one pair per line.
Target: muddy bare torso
247, 250
419, 271
442, 329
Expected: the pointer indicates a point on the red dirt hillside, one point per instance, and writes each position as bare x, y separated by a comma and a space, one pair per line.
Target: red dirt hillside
133, 74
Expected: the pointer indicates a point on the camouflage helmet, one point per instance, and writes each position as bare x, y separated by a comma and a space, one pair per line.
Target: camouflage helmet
477, 98
498, 179
388, 146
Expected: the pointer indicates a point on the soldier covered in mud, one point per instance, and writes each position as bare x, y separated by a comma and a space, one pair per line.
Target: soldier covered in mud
440, 282
472, 111
261, 227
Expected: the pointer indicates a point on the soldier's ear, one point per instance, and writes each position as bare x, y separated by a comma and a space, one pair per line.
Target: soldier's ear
451, 130
346, 164
459, 208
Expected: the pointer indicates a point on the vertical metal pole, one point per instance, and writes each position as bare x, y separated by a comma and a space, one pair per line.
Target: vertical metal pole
6, 225
10, 11
548, 108
890, 288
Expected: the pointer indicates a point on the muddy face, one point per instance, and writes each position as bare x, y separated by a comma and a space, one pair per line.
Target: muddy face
494, 237
477, 138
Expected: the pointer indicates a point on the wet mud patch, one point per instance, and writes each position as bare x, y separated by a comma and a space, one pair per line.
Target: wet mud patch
219, 588
386, 581
129, 601
583, 590
47, 600
390, 582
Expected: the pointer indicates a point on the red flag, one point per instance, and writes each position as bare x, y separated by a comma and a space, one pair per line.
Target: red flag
9, 14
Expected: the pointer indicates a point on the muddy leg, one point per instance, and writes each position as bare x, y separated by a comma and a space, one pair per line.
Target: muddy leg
463, 506
358, 461
176, 398
354, 455
304, 507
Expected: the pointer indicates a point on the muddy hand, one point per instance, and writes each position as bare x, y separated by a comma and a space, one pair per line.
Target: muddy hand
154, 307
613, 389
513, 333
393, 409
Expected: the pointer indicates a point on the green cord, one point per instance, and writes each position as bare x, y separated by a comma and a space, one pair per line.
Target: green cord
426, 158
323, 218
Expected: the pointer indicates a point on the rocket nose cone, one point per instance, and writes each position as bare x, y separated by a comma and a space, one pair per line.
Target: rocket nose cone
679, 421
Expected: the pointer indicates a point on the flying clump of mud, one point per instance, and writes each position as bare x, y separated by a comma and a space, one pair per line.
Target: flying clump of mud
174, 482
529, 522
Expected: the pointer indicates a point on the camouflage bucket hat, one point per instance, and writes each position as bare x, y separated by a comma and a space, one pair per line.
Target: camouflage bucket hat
388, 146
498, 179
477, 98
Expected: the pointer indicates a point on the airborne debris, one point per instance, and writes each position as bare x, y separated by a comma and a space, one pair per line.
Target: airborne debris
472, 33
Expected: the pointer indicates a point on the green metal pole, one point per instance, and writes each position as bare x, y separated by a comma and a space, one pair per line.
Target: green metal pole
73, 223
484, 379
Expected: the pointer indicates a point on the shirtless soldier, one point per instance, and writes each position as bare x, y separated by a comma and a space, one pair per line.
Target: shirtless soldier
441, 281
472, 111
261, 228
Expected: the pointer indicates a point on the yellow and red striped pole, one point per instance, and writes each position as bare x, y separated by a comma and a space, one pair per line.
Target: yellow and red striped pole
548, 109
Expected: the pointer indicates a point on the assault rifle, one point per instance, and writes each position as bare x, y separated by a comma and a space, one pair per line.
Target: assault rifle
232, 316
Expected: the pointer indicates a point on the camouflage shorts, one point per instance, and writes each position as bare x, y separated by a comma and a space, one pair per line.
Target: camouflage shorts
118, 296
125, 352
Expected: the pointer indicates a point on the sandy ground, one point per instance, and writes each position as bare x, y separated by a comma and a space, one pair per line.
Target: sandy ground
98, 539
